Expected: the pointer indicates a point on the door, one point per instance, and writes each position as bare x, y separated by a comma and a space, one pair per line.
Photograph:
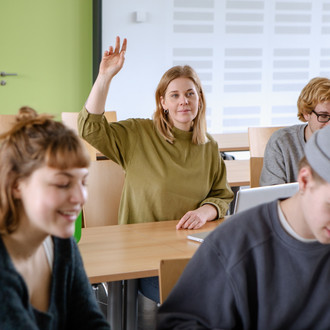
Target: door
40, 42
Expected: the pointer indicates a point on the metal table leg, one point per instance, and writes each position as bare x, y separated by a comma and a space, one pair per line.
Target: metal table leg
130, 304
114, 308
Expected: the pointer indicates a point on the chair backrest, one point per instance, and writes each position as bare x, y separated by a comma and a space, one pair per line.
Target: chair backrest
258, 138
169, 272
105, 184
70, 119
6, 122
228, 142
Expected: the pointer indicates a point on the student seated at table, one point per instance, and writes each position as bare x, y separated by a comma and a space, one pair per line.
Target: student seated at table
43, 172
286, 146
173, 168
267, 267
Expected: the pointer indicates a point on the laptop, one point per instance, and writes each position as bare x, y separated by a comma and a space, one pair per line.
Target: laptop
250, 197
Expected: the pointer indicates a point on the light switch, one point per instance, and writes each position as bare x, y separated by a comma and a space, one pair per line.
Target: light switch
140, 16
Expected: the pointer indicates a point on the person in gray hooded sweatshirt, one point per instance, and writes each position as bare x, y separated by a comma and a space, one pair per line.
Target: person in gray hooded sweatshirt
267, 267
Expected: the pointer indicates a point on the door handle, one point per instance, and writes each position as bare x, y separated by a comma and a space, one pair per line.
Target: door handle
4, 74
2, 83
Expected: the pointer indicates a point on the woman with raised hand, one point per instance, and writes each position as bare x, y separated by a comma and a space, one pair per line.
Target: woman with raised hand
173, 168
43, 173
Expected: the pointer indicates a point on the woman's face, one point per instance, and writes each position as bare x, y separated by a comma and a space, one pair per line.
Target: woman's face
181, 100
52, 199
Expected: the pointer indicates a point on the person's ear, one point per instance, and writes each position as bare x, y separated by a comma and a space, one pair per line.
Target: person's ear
305, 178
307, 116
16, 191
162, 102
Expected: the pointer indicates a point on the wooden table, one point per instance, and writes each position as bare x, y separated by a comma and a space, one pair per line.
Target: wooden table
122, 252
232, 141
125, 252
238, 172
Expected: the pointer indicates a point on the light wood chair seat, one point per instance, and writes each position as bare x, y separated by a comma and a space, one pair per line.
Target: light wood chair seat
258, 138
169, 272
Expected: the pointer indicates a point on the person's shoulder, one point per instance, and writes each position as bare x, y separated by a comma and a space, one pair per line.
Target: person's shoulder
64, 248
210, 142
244, 231
210, 139
4, 256
9, 277
286, 134
289, 130
137, 123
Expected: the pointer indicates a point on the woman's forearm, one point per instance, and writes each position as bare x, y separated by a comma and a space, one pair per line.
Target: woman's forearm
96, 100
111, 63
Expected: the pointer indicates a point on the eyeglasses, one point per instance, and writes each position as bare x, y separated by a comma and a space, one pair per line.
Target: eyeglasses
322, 118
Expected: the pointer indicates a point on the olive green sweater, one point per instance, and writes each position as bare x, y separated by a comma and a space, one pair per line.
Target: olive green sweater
163, 181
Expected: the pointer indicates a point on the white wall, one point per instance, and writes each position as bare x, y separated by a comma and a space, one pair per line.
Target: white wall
253, 57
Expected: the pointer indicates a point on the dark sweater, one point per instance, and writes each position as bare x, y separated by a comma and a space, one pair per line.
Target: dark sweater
250, 274
72, 304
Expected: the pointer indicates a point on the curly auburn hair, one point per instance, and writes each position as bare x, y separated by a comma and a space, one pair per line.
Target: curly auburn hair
32, 142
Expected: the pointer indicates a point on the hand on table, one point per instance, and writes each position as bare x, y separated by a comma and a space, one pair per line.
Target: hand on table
197, 218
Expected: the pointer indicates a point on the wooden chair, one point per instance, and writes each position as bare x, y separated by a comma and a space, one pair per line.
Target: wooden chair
169, 272
228, 142
6, 122
105, 184
258, 138
70, 119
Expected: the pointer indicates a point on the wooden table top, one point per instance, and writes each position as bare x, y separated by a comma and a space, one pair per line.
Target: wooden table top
123, 252
238, 172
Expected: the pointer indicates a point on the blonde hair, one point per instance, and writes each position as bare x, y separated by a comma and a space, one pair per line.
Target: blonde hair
161, 119
32, 142
315, 92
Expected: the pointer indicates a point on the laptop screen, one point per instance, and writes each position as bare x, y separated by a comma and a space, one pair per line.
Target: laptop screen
250, 197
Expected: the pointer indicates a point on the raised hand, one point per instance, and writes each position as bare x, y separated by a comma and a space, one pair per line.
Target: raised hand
113, 59
112, 62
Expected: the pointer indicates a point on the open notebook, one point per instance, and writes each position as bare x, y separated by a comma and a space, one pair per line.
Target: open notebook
250, 197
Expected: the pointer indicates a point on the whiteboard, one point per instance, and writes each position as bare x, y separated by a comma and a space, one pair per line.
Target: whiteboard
253, 57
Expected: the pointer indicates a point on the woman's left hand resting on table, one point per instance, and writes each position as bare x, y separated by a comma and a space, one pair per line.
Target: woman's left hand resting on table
197, 218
